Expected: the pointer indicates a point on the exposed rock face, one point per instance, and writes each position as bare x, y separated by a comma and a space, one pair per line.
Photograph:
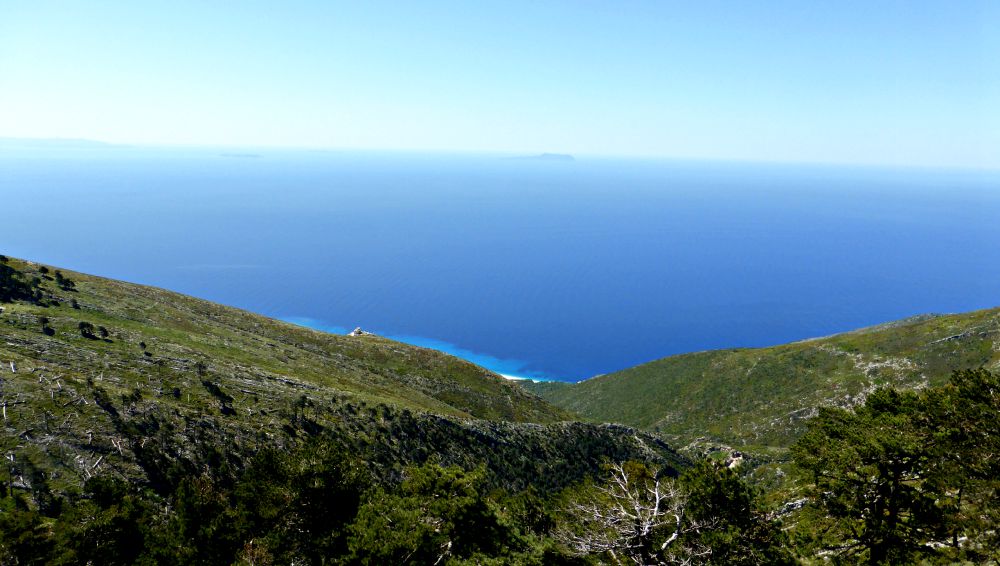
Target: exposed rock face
358, 332
734, 460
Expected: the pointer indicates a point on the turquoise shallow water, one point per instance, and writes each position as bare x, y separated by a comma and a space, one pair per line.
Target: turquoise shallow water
514, 369
539, 269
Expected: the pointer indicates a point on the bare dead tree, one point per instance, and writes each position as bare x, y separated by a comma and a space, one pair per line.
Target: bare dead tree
633, 518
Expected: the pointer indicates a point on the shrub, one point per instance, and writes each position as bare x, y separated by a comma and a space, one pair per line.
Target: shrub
86, 329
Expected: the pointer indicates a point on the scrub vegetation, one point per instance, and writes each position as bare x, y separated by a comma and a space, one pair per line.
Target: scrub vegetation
764, 397
145, 427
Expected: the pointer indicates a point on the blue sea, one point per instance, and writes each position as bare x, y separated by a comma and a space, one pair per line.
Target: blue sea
533, 268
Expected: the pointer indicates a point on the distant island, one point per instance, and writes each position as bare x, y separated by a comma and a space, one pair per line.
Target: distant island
548, 157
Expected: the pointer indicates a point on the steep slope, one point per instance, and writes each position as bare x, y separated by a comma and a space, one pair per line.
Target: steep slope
105, 377
185, 337
762, 396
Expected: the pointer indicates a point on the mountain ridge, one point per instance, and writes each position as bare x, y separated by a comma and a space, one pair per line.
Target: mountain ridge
103, 377
762, 396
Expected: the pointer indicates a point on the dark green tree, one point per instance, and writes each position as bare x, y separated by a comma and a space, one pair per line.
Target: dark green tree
46, 329
325, 486
65, 283
13, 287
911, 475
116, 526
733, 528
86, 329
24, 537
437, 515
963, 418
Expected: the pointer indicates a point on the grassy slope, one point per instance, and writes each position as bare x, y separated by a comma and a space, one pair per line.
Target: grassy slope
254, 354
762, 396
218, 377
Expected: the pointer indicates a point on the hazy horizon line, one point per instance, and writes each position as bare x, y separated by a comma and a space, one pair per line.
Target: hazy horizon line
96, 143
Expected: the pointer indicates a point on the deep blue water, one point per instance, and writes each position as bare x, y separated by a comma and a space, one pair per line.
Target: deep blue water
544, 269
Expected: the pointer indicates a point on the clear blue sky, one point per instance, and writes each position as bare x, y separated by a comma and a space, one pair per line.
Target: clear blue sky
909, 82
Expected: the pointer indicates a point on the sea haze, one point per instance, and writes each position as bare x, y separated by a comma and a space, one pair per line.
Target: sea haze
551, 269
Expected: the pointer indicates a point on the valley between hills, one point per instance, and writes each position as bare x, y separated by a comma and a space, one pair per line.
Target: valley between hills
188, 371
145, 426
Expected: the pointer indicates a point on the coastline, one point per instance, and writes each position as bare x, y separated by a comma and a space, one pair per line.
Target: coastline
510, 369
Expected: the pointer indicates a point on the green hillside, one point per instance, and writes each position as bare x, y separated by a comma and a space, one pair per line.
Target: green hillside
101, 377
145, 427
187, 337
762, 396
